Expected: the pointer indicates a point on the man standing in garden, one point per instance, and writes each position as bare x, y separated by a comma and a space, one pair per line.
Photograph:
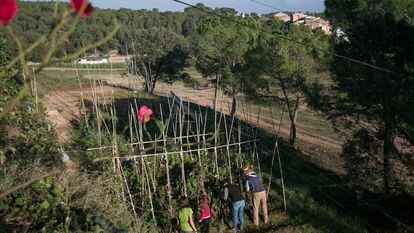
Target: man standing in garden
233, 192
255, 185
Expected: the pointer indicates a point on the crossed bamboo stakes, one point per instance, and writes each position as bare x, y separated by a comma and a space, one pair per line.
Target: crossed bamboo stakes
198, 142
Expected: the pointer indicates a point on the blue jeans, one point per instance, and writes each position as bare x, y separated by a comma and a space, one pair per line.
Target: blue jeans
238, 209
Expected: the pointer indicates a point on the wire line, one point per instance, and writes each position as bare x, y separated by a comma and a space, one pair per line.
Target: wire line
294, 41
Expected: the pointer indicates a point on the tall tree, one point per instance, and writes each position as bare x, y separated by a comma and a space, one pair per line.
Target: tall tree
158, 54
287, 64
223, 44
380, 33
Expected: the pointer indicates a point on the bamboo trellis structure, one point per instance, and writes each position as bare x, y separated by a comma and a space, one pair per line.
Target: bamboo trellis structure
189, 129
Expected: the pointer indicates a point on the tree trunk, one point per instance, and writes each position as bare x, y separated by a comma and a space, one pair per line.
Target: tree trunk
388, 151
293, 119
215, 94
153, 86
215, 125
233, 106
149, 86
293, 109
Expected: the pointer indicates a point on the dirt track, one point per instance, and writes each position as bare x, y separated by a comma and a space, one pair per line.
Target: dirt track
63, 106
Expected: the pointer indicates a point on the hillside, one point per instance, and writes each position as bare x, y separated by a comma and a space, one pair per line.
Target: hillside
318, 126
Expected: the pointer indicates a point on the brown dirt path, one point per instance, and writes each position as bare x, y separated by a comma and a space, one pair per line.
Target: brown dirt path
63, 106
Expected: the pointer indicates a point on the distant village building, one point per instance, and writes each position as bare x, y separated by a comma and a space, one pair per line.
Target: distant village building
296, 16
318, 23
94, 60
326, 27
299, 18
282, 17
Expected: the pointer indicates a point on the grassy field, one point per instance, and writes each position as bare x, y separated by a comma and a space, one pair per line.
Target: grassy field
59, 79
196, 76
318, 198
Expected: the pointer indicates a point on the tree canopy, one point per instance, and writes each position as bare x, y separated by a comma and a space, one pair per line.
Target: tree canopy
35, 18
275, 63
222, 46
379, 102
157, 53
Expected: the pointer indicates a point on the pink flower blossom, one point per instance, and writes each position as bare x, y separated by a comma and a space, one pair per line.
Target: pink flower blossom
78, 6
8, 9
144, 114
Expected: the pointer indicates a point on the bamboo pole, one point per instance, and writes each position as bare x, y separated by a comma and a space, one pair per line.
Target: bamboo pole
167, 168
276, 151
188, 126
183, 179
170, 110
215, 144
215, 130
228, 150
98, 113
239, 147
35, 90
153, 180
114, 140
94, 101
199, 152
176, 114
149, 192
140, 138
204, 122
205, 128
137, 133
82, 98
255, 150
149, 142
273, 122
173, 153
128, 191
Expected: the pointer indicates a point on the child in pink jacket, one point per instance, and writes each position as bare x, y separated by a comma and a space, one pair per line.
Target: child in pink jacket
205, 215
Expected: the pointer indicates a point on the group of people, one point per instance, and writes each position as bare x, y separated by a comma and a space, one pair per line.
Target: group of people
233, 193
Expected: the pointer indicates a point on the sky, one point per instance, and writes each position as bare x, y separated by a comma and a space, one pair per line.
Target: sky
246, 6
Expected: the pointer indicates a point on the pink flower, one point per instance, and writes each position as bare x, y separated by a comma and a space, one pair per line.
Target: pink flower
8, 9
144, 114
78, 5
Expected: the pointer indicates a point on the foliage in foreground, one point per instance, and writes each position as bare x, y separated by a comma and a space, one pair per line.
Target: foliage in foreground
75, 200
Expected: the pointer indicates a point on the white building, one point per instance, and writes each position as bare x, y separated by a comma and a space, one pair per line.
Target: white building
245, 15
94, 60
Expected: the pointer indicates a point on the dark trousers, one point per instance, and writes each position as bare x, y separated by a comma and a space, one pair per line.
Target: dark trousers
205, 225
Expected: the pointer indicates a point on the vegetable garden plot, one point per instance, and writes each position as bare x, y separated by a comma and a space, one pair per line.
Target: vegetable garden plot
175, 149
